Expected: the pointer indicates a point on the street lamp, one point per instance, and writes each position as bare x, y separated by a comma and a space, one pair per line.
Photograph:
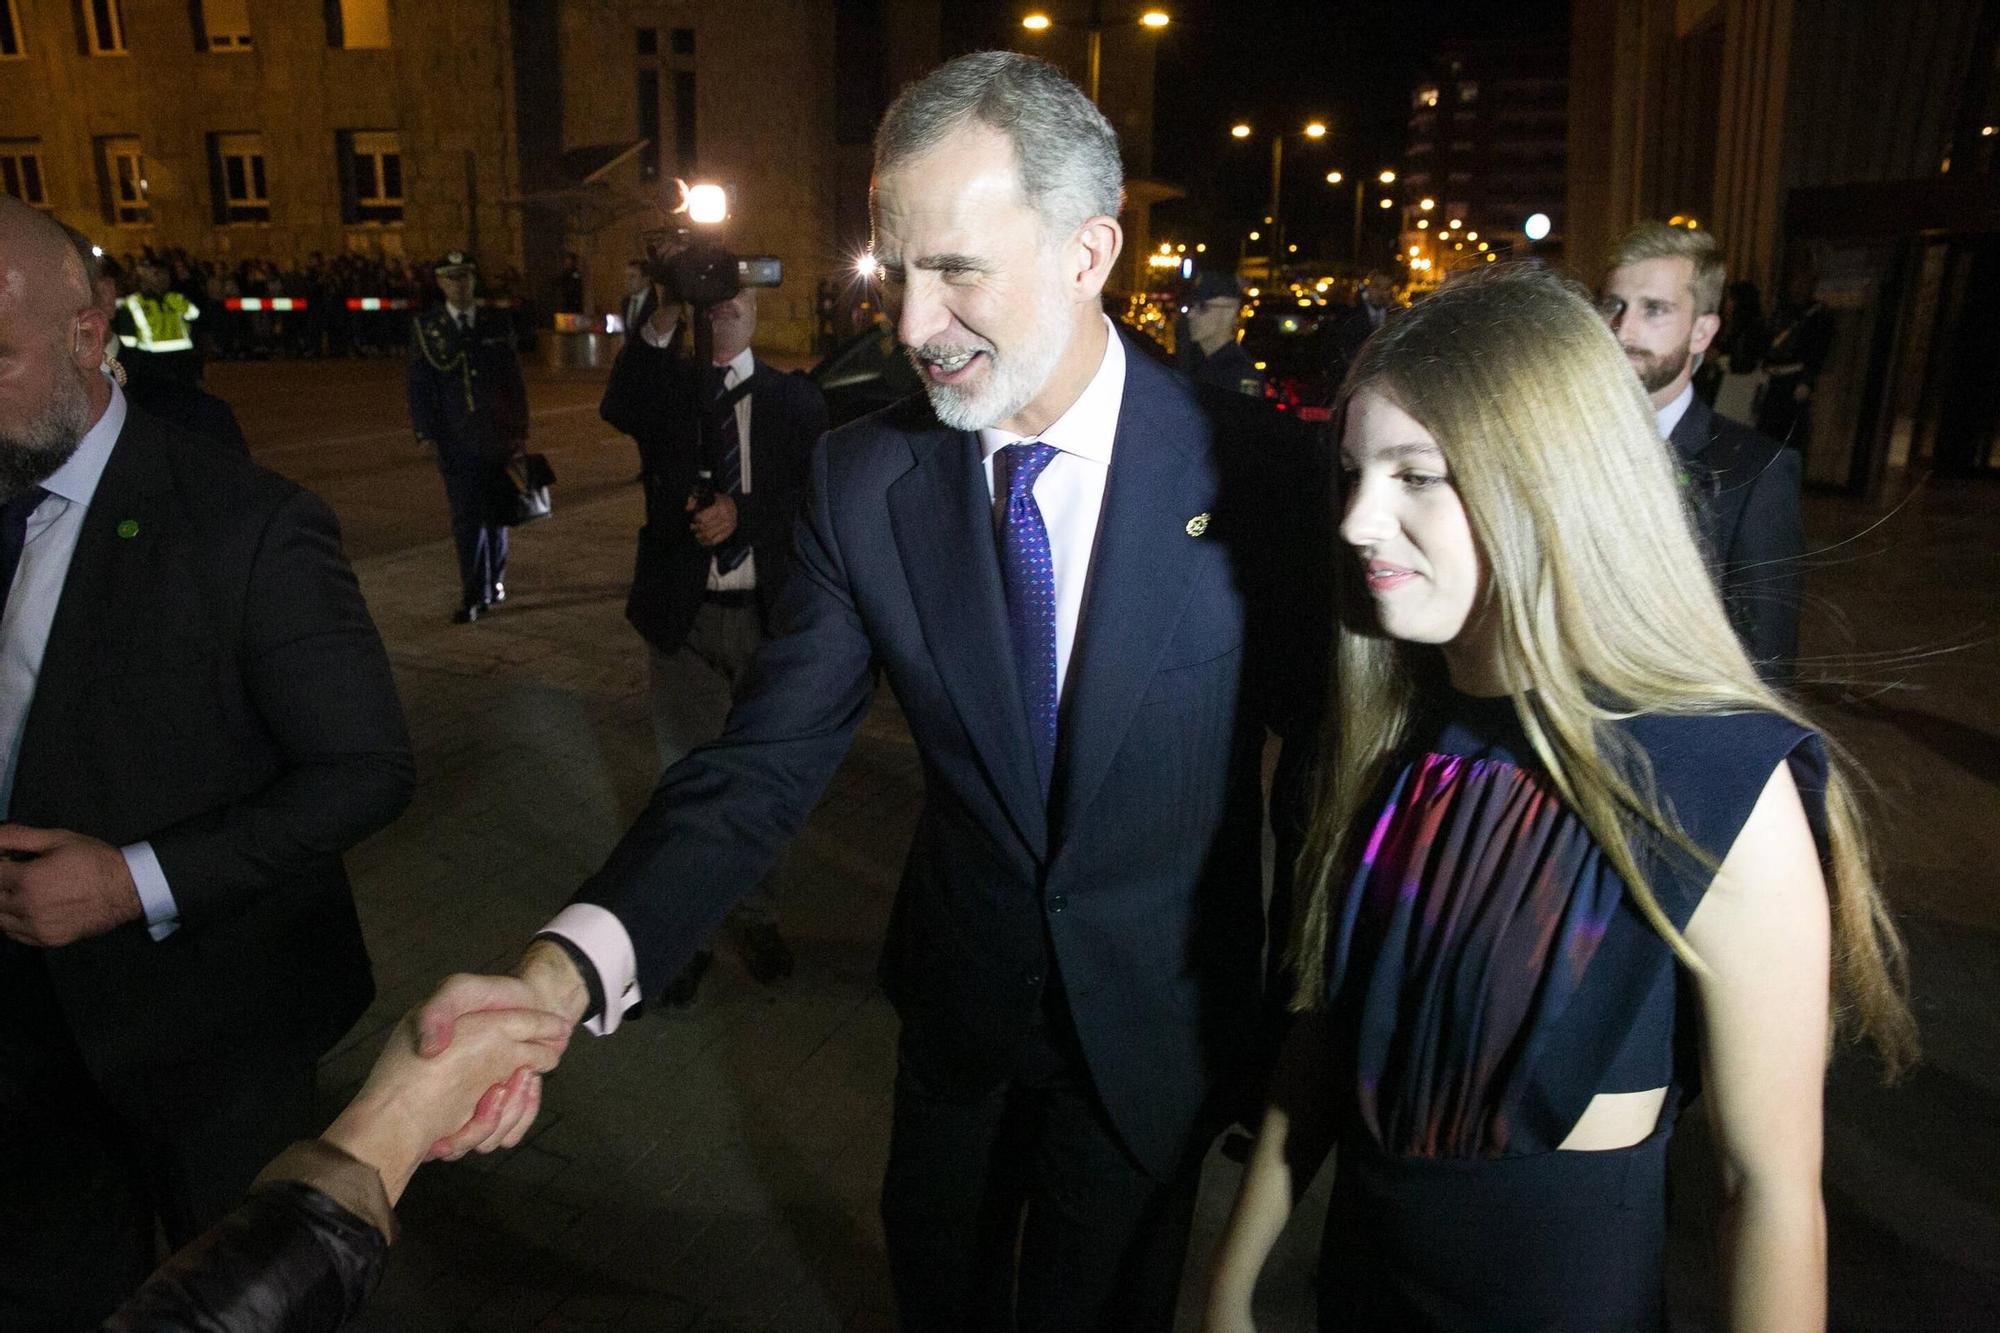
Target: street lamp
1386, 177
1153, 20
1314, 130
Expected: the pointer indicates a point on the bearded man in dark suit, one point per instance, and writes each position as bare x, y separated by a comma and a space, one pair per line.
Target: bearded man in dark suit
196, 719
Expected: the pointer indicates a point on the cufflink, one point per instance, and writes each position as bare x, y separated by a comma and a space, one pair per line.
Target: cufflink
1197, 525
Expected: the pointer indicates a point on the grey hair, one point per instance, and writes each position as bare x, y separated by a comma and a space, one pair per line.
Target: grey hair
1068, 153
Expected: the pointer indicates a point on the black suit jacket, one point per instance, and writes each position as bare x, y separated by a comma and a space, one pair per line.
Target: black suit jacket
213, 685
652, 397
1138, 880
1746, 494
177, 403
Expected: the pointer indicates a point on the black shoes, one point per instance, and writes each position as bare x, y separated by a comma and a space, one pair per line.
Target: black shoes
466, 615
680, 992
766, 956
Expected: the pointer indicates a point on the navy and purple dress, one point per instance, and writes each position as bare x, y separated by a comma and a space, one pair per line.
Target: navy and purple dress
1487, 975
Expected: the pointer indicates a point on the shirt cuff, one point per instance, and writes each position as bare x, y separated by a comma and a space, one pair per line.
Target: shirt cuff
601, 937
163, 914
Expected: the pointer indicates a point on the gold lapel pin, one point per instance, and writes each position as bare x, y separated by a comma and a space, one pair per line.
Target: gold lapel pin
1197, 525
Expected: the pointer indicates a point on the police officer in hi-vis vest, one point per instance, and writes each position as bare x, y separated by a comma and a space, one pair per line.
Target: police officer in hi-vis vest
154, 327
469, 404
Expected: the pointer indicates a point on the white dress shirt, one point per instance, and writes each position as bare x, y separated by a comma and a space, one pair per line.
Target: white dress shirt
1070, 494
743, 578
1670, 415
53, 530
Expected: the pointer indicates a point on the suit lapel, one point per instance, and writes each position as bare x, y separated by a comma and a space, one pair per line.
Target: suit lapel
1138, 583
942, 516
106, 570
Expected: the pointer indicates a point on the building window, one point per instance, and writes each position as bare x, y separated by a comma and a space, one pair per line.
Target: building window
222, 25
1427, 95
21, 171
357, 25
121, 174
684, 128
103, 26
236, 175
10, 31
371, 176
647, 41
683, 41
647, 91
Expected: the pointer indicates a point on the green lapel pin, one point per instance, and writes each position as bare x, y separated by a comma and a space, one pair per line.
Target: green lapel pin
128, 527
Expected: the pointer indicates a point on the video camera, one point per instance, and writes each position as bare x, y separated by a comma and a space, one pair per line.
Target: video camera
703, 274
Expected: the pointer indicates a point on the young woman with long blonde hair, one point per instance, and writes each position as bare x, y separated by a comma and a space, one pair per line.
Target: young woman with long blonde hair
1571, 862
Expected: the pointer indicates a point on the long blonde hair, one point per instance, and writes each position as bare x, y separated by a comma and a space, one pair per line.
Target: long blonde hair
1602, 603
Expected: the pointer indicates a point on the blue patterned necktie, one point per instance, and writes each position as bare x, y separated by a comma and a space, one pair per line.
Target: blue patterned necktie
14, 516
1028, 578
728, 474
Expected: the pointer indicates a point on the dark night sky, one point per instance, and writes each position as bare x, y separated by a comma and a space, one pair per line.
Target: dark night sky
1274, 64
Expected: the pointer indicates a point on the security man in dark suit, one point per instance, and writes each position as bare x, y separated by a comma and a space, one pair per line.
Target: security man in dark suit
1662, 298
711, 563
197, 719
469, 404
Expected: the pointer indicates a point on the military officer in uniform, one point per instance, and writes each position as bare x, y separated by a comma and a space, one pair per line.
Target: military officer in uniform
469, 405
1210, 354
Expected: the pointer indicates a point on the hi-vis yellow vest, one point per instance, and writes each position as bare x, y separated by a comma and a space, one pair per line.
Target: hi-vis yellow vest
160, 323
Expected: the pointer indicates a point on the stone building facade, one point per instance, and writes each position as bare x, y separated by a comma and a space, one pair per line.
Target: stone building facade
512, 128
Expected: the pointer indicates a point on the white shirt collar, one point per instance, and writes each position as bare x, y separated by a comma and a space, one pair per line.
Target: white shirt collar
76, 480
1091, 422
740, 367
459, 314
1670, 415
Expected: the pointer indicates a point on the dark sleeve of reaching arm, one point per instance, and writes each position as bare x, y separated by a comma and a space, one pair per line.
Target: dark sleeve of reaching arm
766, 513
299, 1255
721, 817
1762, 577
315, 670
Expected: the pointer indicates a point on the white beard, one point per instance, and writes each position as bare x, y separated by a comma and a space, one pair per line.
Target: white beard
1012, 379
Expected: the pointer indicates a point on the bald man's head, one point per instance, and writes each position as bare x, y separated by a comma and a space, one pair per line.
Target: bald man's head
52, 339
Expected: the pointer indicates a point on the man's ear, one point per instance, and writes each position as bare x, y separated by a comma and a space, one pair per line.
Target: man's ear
87, 340
1703, 334
1097, 244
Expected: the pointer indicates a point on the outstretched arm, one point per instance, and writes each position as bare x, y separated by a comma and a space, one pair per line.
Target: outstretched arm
1763, 931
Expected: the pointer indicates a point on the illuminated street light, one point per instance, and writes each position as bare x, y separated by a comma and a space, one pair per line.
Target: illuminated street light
1988, 131
1386, 176
1537, 226
1256, 235
1291, 249
1472, 236
1388, 202
1423, 224
1427, 203
1202, 248
707, 204
1483, 247
1036, 23
1239, 131
1315, 130
1154, 18
1455, 224
1334, 178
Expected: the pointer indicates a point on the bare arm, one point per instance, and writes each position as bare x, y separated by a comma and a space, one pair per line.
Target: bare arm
1292, 1143
1763, 930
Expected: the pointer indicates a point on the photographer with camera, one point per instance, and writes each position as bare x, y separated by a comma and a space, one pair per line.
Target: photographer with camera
721, 495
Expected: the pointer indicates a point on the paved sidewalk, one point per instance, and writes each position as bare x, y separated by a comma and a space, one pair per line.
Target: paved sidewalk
716, 1168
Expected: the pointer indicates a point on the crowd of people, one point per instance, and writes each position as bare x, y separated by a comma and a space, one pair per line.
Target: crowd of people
327, 325
1558, 851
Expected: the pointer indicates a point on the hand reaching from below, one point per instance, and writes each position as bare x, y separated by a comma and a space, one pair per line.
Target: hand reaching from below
545, 980
410, 1102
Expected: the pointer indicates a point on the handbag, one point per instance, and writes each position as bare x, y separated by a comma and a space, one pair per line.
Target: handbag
532, 477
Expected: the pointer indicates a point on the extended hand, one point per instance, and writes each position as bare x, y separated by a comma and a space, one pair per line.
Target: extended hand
716, 524
59, 887
409, 1102
544, 980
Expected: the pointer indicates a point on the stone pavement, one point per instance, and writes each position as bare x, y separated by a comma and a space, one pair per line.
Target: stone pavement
716, 1168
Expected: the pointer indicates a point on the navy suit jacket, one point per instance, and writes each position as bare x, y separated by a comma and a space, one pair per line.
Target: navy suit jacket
1139, 880
1746, 493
